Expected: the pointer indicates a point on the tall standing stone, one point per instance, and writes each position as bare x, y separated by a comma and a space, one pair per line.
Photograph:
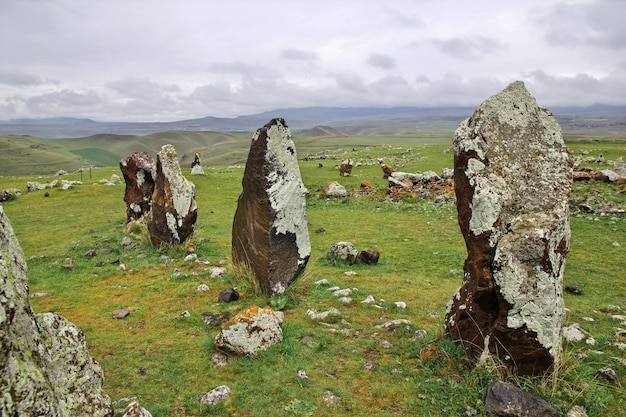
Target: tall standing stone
513, 176
270, 235
173, 212
45, 367
139, 171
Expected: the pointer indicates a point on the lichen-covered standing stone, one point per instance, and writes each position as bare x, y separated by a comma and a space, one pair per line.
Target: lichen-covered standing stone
513, 176
45, 368
139, 171
173, 212
270, 235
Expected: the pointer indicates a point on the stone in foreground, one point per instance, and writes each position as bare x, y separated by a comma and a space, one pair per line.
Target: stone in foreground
270, 236
173, 214
507, 400
45, 367
139, 171
250, 331
513, 176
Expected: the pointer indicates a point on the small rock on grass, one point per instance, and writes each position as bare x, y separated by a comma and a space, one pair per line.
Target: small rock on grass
216, 395
121, 313
330, 398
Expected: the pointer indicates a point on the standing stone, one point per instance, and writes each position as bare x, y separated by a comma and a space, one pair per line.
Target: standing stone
345, 169
270, 235
196, 165
173, 212
45, 367
513, 175
139, 172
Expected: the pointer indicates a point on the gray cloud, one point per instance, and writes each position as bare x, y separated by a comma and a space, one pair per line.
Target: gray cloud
21, 78
472, 47
299, 55
381, 61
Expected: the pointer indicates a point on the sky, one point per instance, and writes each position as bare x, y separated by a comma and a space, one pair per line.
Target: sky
164, 60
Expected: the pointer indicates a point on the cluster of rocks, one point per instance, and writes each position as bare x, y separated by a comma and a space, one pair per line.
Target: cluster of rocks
160, 196
426, 185
62, 184
346, 251
9, 194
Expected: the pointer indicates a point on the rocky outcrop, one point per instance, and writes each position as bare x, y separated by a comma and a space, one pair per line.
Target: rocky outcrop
45, 367
139, 172
513, 176
333, 189
507, 400
250, 331
173, 212
427, 185
270, 236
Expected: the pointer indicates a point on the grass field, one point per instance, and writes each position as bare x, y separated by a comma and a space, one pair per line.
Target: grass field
165, 359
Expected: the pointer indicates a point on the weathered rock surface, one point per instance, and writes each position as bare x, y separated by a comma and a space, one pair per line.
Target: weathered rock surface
250, 331
387, 169
421, 185
333, 189
507, 400
138, 171
513, 176
196, 165
345, 169
45, 367
345, 251
173, 213
270, 235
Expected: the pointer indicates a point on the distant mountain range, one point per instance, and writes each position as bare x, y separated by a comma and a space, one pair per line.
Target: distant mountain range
354, 120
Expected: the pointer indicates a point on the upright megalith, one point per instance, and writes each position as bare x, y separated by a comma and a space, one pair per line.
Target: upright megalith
513, 175
196, 165
270, 235
139, 171
45, 367
173, 211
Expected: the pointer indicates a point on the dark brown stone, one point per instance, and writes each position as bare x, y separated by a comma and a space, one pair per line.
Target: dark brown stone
507, 400
138, 171
345, 169
270, 236
387, 169
512, 174
369, 257
228, 296
173, 213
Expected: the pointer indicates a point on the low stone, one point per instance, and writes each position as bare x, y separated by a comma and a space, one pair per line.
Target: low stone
228, 295
393, 324
369, 300
342, 293
609, 375
573, 333
323, 314
135, 410
574, 289
126, 242
216, 395
5, 196
330, 399
369, 256
202, 287
121, 313
345, 169
197, 170
576, 411
250, 331
400, 304
219, 360
302, 374
215, 319
217, 271
333, 189
344, 251
370, 366
507, 400
90, 253
419, 334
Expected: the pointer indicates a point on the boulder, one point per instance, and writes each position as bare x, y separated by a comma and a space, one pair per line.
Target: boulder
345, 251
369, 256
507, 400
270, 236
173, 212
333, 189
513, 176
196, 165
5, 195
139, 172
250, 331
45, 367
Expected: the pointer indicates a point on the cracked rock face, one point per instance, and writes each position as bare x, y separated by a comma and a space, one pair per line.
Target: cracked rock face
250, 331
139, 171
513, 176
173, 213
270, 236
45, 367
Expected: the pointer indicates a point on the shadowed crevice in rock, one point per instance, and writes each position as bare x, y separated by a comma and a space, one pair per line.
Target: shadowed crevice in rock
270, 235
512, 174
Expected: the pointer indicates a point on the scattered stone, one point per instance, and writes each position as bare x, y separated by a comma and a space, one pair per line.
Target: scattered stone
302, 374
270, 235
574, 289
135, 410
320, 230
345, 169
219, 360
370, 366
323, 281
190, 258
400, 304
216, 395
307, 339
419, 334
173, 210
393, 324
215, 319
350, 273
217, 271
590, 341
139, 174
576, 411
323, 314
386, 344
507, 400
332, 289
342, 293
330, 399
90, 253
5, 195
126, 242
369, 300
45, 366
121, 313
202, 287
333, 190
228, 295
345, 300
343, 251
573, 333
369, 256
512, 181
185, 314
608, 374
250, 331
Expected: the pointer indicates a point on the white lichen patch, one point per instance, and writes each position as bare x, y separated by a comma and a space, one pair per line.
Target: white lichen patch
490, 195
141, 177
183, 191
286, 191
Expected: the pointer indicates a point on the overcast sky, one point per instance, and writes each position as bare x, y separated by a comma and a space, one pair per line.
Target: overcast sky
149, 60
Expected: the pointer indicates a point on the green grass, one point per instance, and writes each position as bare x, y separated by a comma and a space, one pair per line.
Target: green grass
420, 246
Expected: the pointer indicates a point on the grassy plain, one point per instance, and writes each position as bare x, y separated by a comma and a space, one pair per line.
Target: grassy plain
164, 358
